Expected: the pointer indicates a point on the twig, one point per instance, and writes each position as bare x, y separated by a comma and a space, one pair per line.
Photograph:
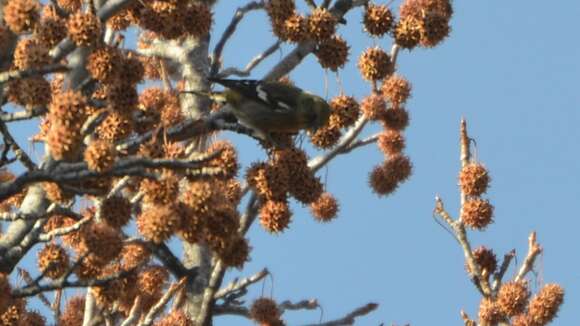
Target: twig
216, 277
20, 74
252, 64
466, 320
311, 4
134, 314
23, 115
238, 16
45, 237
301, 305
241, 284
90, 307
28, 279
156, 309
20, 154
534, 249
498, 276
351, 317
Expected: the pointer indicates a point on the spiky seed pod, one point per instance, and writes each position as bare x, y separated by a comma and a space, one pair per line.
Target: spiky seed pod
173, 150
32, 318
120, 21
378, 19
192, 225
132, 70
419, 8
55, 194
236, 252
474, 179
381, 181
63, 141
69, 5
122, 97
305, 186
477, 213
116, 126
21, 15
71, 239
5, 291
522, 320
399, 167
116, 211
30, 53
51, 30
233, 191
326, 137
84, 29
345, 111
53, 261
280, 10
395, 118
264, 311
200, 196
151, 100
105, 63
106, 295
164, 191
408, 32
489, 313
221, 226
151, 67
375, 64
175, 318
30, 92
152, 280
199, 19
435, 29
270, 181
158, 223
67, 108
100, 156
291, 159
293, 29
227, 160
396, 89
275, 216
513, 297
321, 24
544, 306
391, 142
102, 241
73, 312
13, 313
325, 208
133, 255
332, 53
485, 259
373, 106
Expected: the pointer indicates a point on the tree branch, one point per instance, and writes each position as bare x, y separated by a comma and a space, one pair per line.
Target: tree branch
351, 317
20, 74
534, 249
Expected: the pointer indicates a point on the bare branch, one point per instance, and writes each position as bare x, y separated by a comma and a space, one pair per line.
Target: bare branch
497, 278
238, 16
11, 142
351, 317
301, 305
22, 115
29, 281
135, 312
534, 249
241, 284
19, 74
252, 64
156, 309
45, 237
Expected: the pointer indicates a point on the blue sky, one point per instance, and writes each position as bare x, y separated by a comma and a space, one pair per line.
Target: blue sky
510, 68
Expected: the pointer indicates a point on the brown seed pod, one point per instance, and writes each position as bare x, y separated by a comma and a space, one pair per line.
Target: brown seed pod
175, 318
294, 29
100, 156
73, 312
305, 186
396, 89
523, 320
280, 10
435, 29
158, 223
133, 255
332, 53
375, 64
544, 306
345, 111
152, 280
391, 142
395, 118
199, 19
326, 137
30, 92
236, 252
227, 160
275, 216
474, 179
51, 30
513, 297
69, 5
408, 32
116, 126
67, 108
373, 106
485, 259
104, 64
32, 318
63, 141
264, 311
30, 53
102, 241
270, 181
477, 213
381, 181
321, 24
84, 29
21, 15
53, 261
162, 192
116, 211
13, 313
378, 19
325, 208
489, 313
